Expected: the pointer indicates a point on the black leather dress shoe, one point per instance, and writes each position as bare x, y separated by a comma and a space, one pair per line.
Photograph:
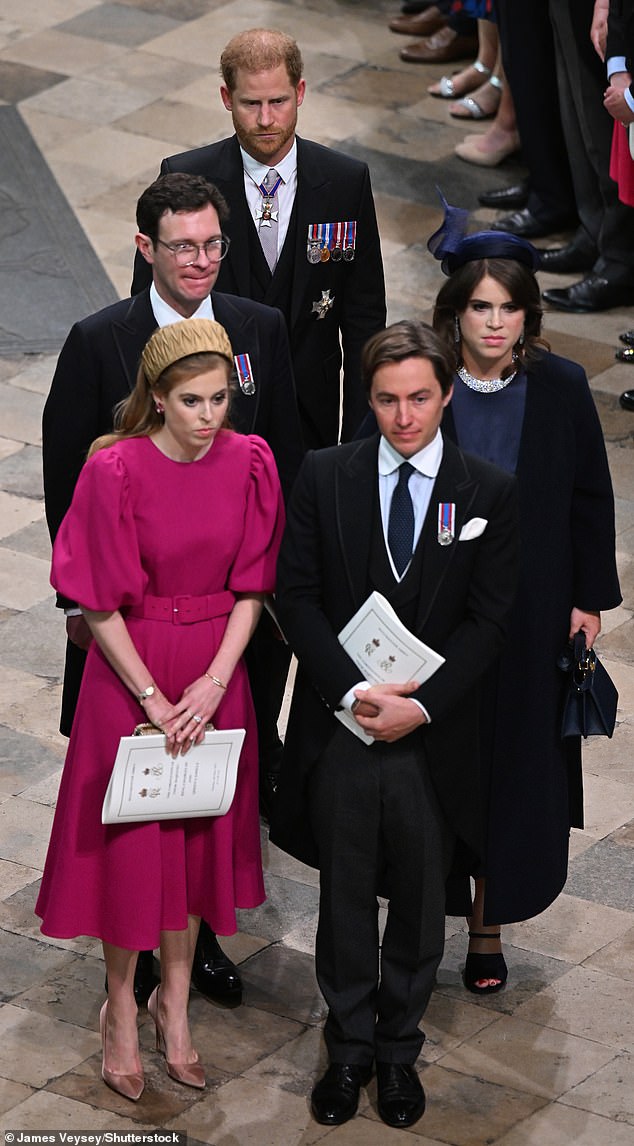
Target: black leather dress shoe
505, 198
627, 399
592, 293
401, 1096
336, 1096
575, 256
626, 354
627, 337
411, 7
525, 224
213, 973
146, 977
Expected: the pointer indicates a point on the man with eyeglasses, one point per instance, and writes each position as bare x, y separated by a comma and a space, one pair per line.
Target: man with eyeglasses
180, 236
303, 230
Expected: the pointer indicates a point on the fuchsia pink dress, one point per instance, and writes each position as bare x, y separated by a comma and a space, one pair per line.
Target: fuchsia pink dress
143, 525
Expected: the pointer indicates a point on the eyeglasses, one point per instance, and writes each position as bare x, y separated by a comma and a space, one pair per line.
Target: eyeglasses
187, 253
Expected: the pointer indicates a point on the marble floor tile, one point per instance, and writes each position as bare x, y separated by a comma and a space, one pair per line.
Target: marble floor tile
47, 1109
16, 512
251, 1114
610, 1091
296, 1066
277, 862
616, 958
24, 962
186, 125
586, 1004
85, 98
235, 1040
21, 414
448, 1022
9, 447
34, 640
48, 130
19, 81
603, 873
34, 540
557, 1125
570, 929
267, 976
286, 905
24, 760
14, 876
12, 1094
470, 1111
530, 1056
24, 831
60, 52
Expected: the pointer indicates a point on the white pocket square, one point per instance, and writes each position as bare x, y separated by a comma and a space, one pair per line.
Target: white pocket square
473, 528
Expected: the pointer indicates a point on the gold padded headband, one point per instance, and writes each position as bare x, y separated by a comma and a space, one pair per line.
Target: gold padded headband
192, 336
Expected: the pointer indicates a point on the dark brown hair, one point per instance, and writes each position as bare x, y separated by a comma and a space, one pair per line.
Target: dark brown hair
408, 339
517, 279
176, 191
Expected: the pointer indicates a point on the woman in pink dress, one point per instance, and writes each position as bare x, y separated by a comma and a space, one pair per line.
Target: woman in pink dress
170, 545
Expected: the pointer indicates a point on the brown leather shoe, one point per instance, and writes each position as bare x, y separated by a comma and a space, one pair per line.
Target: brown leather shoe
424, 24
441, 48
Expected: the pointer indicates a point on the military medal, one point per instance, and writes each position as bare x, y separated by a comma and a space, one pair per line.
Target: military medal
314, 252
336, 253
446, 522
323, 305
245, 374
350, 240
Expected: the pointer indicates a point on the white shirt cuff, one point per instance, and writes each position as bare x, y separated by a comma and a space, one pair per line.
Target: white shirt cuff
72, 612
616, 64
348, 700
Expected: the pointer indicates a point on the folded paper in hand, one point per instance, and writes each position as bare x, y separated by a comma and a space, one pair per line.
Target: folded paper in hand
384, 651
147, 784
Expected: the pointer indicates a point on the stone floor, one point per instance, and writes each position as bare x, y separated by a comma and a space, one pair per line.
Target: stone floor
101, 92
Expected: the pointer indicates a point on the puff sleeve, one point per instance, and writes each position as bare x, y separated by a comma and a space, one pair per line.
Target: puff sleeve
96, 558
254, 568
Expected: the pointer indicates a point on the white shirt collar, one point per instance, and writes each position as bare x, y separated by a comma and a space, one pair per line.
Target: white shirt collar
258, 171
426, 461
165, 314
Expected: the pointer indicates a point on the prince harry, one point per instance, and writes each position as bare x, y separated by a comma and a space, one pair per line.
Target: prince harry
405, 513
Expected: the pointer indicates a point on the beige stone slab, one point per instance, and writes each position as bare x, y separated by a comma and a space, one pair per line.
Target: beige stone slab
86, 98
61, 52
302, 937
609, 1092
325, 116
34, 1048
529, 1055
242, 946
104, 148
558, 1125
48, 130
24, 580
15, 876
571, 929
185, 124
295, 1066
448, 1022
21, 414
204, 92
617, 957
30, 15
156, 75
120, 274
579, 843
12, 1094
9, 447
325, 34
24, 831
587, 1004
39, 716
46, 791
50, 1110
108, 233
608, 805
17, 512
35, 374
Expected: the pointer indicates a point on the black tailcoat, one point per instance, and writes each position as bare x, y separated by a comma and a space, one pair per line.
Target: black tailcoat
466, 591
331, 187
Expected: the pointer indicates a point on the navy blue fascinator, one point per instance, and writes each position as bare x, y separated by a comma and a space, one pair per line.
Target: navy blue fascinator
455, 247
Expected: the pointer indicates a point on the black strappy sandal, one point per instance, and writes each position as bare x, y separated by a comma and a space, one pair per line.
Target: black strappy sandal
479, 966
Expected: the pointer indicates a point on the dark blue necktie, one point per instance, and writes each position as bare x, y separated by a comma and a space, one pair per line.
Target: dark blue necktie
400, 526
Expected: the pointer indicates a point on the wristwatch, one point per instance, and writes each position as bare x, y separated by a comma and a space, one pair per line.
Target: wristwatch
146, 694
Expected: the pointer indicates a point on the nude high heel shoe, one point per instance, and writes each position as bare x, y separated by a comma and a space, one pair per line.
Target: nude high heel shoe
129, 1085
188, 1073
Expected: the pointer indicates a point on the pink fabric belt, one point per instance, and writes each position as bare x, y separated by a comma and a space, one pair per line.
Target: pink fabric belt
183, 610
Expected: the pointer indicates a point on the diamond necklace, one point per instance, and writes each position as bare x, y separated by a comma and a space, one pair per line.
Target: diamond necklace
483, 386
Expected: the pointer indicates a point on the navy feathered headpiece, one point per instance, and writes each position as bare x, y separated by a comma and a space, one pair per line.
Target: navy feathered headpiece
454, 246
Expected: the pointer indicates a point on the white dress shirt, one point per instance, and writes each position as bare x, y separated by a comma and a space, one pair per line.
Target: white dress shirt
165, 314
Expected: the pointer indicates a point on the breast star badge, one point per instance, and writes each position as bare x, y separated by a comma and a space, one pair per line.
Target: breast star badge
323, 305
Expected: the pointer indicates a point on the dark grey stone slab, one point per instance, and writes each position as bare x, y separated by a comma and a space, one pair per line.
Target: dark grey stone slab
25, 962
22, 473
604, 874
19, 81
410, 179
288, 905
283, 981
34, 641
49, 274
33, 539
117, 24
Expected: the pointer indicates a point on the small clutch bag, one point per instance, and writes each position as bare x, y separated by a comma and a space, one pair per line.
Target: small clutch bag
591, 700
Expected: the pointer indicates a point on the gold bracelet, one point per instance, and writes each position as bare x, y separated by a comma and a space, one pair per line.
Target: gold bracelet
216, 680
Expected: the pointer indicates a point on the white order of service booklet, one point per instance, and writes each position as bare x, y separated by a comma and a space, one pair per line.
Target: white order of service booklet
147, 784
384, 651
